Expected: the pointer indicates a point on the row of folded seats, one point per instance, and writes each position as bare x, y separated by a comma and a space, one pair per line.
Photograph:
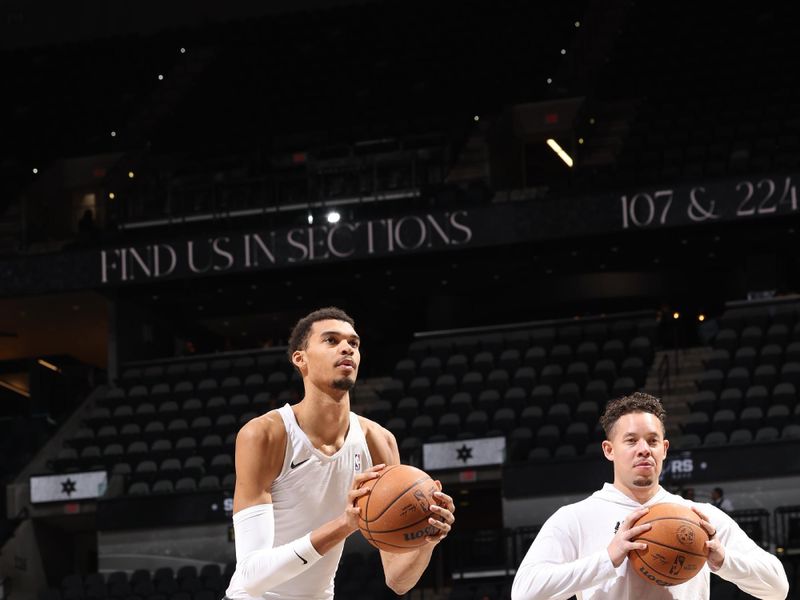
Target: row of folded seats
577, 376
751, 417
217, 369
570, 335
535, 366
764, 380
358, 577
273, 383
763, 317
559, 431
217, 409
187, 583
737, 436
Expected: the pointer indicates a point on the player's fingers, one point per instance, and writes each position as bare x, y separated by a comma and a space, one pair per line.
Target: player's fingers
366, 476
440, 525
443, 513
355, 494
705, 523
638, 530
444, 500
699, 513
633, 517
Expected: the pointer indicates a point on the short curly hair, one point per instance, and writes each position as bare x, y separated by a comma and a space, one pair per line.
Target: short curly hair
636, 402
298, 339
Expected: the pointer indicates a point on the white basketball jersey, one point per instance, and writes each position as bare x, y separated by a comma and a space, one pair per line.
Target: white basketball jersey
310, 491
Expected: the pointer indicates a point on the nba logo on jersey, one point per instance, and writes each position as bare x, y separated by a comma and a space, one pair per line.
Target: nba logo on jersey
357, 461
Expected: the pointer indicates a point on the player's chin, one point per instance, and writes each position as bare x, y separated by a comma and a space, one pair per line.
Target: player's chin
344, 383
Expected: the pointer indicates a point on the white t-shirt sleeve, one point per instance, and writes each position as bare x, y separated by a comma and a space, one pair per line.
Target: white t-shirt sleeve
551, 568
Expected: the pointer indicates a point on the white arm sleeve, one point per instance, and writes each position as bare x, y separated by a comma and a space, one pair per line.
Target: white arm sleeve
260, 566
746, 564
551, 570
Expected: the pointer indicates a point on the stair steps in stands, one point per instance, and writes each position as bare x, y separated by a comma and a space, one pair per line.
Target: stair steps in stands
682, 378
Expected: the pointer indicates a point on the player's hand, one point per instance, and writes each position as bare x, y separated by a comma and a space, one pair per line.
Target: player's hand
444, 517
716, 551
352, 511
621, 543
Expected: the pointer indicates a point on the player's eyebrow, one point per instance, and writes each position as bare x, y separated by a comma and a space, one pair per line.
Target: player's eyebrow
339, 333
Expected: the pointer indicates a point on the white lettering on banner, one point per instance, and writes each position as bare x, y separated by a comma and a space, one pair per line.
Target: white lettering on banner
190, 254
137, 259
259, 245
317, 243
297, 244
221, 252
313, 243
338, 253
157, 272
461, 227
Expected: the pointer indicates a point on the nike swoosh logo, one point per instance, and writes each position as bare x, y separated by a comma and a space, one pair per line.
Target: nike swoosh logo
295, 465
305, 562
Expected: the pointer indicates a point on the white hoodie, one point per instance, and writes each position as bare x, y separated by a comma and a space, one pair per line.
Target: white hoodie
570, 556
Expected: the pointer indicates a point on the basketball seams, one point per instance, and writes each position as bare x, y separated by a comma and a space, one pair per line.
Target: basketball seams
643, 521
395, 499
367, 522
638, 554
657, 543
406, 526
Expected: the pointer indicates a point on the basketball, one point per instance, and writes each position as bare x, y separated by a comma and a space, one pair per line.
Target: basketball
394, 515
676, 548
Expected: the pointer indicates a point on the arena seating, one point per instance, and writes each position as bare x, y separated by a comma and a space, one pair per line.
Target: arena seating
172, 428
359, 577
542, 387
748, 391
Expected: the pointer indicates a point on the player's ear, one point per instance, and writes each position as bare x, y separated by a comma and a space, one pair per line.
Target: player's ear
299, 359
608, 450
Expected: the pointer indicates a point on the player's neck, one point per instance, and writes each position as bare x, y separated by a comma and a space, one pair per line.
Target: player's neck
640, 495
324, 417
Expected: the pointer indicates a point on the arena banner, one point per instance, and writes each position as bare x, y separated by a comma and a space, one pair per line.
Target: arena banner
69, 487
682, 467
464, 453
514, 218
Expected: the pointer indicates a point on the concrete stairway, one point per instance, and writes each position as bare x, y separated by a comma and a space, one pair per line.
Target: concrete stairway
685, 366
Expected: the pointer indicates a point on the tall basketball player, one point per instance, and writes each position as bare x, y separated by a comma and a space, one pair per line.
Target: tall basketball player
298, 470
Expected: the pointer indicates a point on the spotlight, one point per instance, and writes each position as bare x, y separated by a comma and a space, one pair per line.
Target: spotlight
334, 217
160, 77
113, 134
476, 118
111, 195
183, 50
310, 219
676, 315
130, 174
35, 171
701, 317
560, 151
